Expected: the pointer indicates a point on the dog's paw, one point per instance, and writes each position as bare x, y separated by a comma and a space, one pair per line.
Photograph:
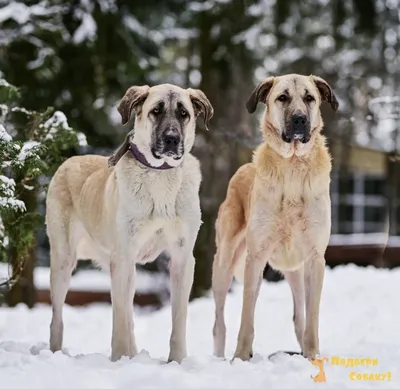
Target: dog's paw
311, 353
311, 346
244, 355
176, 356
117, 354
177, 350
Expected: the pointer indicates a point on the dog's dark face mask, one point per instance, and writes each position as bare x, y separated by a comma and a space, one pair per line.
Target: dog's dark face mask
169, 117
164, 122
293, 104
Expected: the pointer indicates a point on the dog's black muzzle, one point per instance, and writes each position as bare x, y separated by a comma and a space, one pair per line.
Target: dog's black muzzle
298, 129
170, 144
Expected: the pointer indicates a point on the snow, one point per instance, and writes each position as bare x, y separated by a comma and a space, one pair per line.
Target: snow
107, 6
356, 322
3, 111
4, 135
97, 281
22, 13
134, 25
82, 139
7, 185
21, 109
43, 53
86, 31
58, 119
380, 239
28, 150
88, 27
3, 82
385, 107
12, 203
7, 188
9, 202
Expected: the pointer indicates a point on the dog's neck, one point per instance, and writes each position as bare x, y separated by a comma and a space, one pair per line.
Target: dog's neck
138, 155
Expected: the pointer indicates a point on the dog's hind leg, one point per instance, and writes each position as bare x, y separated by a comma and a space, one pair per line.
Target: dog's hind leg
223, 270
230, 242
296, 281
62, 262
222, 276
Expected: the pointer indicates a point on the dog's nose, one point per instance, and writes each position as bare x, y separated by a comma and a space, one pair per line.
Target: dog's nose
171, 139
299, 126
299, 120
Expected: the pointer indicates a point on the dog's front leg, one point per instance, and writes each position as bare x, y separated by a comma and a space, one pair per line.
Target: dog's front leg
252, 282
314, 278
296, 281
181, 275
123, 271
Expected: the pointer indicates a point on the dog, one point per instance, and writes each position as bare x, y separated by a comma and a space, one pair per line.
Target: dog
278, 211
129, 209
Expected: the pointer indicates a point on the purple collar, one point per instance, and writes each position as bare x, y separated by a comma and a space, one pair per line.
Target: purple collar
142, 159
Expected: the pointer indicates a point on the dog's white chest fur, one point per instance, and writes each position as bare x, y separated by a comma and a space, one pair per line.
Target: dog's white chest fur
152, 195
149, 210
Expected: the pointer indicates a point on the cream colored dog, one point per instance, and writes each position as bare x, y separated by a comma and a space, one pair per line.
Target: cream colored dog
278, 211
146, 201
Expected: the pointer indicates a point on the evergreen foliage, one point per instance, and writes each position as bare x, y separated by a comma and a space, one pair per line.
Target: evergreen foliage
32, 146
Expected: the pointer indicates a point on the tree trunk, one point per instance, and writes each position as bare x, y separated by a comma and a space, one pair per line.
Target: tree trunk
204, 248
227, 83
23, 291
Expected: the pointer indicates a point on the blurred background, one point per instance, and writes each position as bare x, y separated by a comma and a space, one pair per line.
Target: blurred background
80, 57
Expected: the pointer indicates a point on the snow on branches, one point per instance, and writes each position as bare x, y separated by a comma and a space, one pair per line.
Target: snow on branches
32, 146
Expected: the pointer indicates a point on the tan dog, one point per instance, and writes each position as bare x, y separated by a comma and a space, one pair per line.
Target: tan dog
278, 207
127, 214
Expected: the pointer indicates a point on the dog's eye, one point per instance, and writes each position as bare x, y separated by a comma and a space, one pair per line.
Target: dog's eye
283, 98
309, 98
184, 113
156, 111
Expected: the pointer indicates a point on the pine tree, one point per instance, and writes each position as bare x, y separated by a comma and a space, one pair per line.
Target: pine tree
32, 146
80, 56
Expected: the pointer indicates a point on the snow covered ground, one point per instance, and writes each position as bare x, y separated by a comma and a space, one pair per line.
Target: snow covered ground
360, 318
95, 280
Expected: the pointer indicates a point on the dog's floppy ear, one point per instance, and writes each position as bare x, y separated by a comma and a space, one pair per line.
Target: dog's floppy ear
326, 92
133, 99
259, 94
201, 105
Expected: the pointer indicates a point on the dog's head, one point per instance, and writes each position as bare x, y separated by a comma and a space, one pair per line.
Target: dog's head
292, 115
165, 120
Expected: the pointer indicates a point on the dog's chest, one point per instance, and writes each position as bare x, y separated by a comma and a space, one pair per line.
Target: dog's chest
292, 199
150, 210
151, 196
